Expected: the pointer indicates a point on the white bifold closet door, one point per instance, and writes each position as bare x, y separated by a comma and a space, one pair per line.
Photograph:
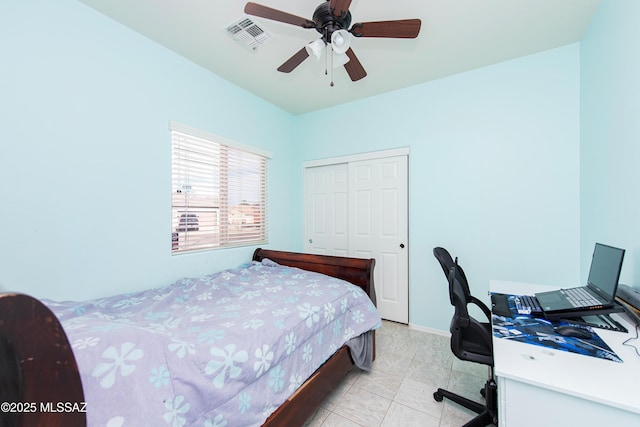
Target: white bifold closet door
359, 209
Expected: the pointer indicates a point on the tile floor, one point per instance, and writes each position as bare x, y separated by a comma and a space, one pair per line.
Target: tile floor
410, 365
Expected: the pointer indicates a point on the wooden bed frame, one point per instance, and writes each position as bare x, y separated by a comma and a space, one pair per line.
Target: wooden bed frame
300, 406
38, 371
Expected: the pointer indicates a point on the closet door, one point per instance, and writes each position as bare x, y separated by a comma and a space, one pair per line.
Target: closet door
326, 210
378, 228
360, 209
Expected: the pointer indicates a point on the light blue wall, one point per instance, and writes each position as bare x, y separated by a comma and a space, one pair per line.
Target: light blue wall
85, 177
610, 134
494, 170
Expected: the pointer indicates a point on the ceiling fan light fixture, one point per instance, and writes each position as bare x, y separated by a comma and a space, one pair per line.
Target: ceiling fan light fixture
339, 59
314, 49
340, 41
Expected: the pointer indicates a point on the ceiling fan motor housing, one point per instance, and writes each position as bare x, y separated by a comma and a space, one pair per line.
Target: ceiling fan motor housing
327, 22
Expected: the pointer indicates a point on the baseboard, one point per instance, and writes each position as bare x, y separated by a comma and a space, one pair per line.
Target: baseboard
430, 330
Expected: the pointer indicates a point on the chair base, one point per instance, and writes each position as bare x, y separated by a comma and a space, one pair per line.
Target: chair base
487, 413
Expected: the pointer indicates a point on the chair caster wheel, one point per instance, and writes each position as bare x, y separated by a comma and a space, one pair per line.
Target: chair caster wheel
438, 397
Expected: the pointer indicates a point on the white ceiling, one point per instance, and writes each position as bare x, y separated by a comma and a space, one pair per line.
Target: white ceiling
456, 36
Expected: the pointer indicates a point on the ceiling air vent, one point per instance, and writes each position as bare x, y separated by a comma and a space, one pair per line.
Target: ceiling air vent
248, 33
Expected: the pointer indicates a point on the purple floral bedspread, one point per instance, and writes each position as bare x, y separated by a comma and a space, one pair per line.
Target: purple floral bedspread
221, 350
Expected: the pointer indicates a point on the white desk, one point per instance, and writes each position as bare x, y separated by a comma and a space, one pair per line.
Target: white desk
538, 386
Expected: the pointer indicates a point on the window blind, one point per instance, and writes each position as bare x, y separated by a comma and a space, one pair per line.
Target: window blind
218, 194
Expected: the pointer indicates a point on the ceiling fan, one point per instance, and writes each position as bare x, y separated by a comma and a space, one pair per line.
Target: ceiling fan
332, 20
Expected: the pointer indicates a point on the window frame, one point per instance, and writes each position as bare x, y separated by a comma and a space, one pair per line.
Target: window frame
231, 170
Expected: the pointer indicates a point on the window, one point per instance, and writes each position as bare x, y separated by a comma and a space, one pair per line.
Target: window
218, 195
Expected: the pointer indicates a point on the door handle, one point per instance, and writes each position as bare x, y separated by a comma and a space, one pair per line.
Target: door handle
401, 245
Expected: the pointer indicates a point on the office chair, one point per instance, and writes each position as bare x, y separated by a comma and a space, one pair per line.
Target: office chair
470, 340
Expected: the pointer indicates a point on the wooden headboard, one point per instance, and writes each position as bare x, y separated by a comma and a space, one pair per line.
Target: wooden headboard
296, 410
354, 270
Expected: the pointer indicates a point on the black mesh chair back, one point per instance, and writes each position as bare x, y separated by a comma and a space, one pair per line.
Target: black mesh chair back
446, 262
470, 339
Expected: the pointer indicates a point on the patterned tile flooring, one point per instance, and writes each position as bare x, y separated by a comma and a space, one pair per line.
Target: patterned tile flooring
410, 365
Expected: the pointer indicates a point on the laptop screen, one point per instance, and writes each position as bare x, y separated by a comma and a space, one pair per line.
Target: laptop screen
605, 270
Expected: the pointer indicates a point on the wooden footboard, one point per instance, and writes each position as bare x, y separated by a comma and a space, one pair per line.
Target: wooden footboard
38, 374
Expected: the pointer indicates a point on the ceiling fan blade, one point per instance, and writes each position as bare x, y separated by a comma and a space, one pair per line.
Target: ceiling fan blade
354, 67
400, 29
294, 61
339, 7
277, 15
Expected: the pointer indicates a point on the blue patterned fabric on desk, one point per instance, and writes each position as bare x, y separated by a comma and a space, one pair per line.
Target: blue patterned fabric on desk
541, 332
222, 350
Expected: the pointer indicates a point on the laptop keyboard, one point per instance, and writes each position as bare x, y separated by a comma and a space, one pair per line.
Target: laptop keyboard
579, 297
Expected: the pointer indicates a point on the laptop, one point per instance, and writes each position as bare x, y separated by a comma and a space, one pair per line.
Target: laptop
600, 291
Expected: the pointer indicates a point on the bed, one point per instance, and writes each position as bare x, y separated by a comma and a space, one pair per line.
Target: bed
41, 379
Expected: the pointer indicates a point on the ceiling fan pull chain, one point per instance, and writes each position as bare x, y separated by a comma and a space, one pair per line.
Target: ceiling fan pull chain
330, 52
326, 59
326, 51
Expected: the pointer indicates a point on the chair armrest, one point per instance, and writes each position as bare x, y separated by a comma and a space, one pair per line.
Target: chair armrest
482, 307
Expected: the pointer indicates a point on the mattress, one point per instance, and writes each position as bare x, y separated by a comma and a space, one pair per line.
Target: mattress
225, 349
